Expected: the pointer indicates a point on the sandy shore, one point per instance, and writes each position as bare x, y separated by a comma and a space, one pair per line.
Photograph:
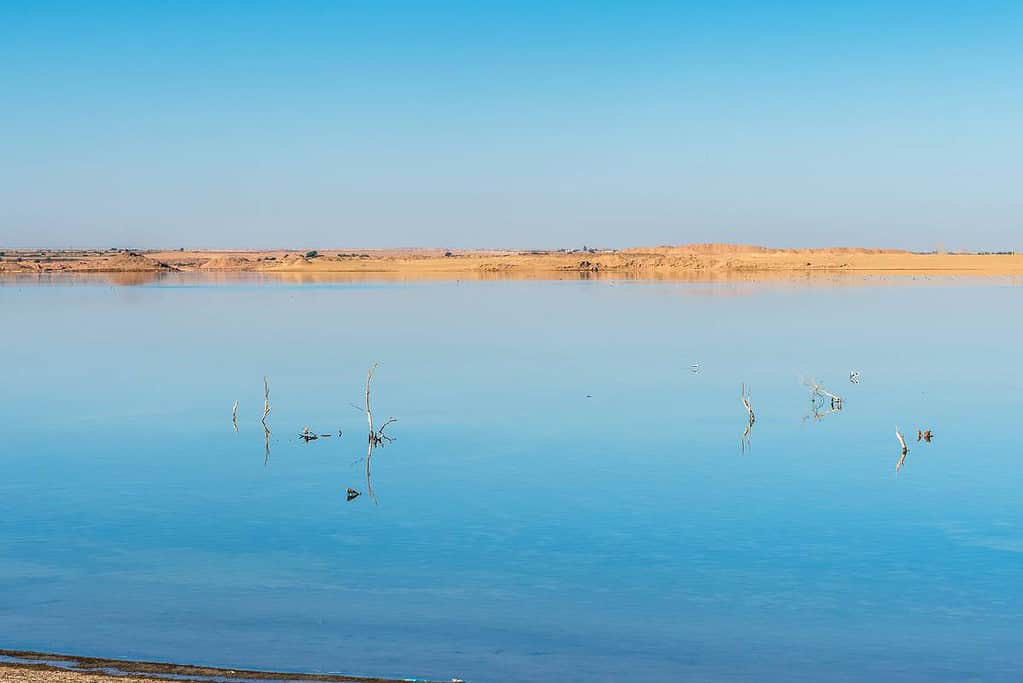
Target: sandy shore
706, 261
37, 667
22, 674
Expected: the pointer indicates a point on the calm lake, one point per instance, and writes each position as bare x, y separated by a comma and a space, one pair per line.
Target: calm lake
567, 498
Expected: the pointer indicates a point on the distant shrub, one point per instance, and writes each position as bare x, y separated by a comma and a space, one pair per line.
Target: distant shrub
448, 253
312, 254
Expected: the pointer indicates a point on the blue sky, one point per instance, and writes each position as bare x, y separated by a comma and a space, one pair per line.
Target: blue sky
511, 124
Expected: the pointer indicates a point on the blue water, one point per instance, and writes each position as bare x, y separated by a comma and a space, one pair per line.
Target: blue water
566, 499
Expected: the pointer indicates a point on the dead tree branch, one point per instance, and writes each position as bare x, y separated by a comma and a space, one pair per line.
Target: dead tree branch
266, 399
369, 412
821, 397
376, 436
380, 432
266, 427
745, 398
905, 449
817, 389
234, 416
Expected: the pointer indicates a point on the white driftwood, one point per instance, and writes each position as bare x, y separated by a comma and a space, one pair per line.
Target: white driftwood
744, 440
266, 399
266, 427
744, 397
369, 412
376, 436
905, 449
234, 416
818, 389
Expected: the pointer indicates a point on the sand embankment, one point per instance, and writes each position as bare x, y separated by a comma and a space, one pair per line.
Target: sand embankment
80, 262
36, 667
697, 260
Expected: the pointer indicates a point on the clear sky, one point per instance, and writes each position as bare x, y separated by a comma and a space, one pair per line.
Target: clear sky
511, 124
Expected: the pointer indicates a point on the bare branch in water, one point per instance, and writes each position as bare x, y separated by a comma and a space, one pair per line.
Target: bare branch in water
905, 449
380, 432
266, 427
369, 412
376, 436
819, 398
309, 435
816, 388
234, 416
266, 399
352, 494
745, 398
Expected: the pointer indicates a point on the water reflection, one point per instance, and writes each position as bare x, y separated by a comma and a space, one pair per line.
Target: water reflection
266, 445
822, 401
369, 477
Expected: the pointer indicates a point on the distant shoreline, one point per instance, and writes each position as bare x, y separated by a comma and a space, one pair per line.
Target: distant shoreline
42, 667
702, 260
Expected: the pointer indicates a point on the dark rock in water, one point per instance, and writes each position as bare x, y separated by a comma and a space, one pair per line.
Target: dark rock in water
353, 494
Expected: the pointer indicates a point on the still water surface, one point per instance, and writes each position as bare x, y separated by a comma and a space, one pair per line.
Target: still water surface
566, 499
